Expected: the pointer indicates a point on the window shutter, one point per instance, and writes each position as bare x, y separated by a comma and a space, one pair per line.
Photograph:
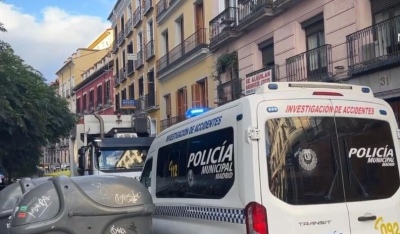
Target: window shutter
178, 103
193, 95
184, 99
206, 92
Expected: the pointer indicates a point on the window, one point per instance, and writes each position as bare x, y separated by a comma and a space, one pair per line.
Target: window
122, 23
200, 94
84, 104
117, 102
319, 160
185, 171
141, 86
168, 109
107, 91
123, 58
131, 91
165, 42
267, 52
99, 96
315, 38
123, 94
78, 105
140, 42
145, 179
151, 89
129, 11
181, 101
150, 31
112, 159
91, 100
388, 30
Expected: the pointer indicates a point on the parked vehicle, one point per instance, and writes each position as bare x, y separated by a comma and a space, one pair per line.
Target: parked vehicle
292, 158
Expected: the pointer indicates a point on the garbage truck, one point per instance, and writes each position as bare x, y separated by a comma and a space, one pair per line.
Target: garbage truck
116, 152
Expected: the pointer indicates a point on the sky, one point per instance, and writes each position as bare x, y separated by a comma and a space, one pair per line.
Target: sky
46, 32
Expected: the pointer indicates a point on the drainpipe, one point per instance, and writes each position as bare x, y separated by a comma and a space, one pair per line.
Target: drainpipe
101, 121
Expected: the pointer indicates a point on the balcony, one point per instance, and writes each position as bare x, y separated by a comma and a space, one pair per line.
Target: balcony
139, 62
188, 52
312, 65
254, 13
120, 37
166, 123
150, 50
223, 28
122, 75
165, 8
374, 47
137, 17
229, 91
117, 81
128, 27
161, 7
114, 46
146, 103
148, 6
130, 68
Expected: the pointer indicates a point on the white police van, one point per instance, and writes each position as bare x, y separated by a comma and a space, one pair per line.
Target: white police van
312, 158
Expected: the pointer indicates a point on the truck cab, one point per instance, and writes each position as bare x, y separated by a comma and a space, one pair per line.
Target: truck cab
123, 154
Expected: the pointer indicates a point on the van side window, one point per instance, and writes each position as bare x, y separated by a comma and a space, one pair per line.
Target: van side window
145, 179
198, 167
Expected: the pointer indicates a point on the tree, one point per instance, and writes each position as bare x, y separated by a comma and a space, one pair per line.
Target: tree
31, 114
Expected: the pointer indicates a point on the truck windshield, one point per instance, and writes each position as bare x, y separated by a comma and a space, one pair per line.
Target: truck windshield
122, 159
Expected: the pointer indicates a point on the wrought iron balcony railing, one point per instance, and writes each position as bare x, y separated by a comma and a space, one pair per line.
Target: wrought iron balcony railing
148, 5
166, 123
229, 91
116, 80
312, 65
122, 74
195, 41
146, 102
251, 9
128, 27
137, 16
130, 68
161, 7
120, 37
223, 23
150, 50
374, 47
139, 62
114, 46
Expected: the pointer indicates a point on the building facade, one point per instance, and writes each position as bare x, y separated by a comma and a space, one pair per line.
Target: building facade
352, 41
184, 66
104, 41
70, 73
95, 94
134, 49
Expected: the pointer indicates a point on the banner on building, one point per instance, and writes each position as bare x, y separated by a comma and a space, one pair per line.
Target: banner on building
255, 80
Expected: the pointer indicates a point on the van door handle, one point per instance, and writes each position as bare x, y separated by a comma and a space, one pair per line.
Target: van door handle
366, 218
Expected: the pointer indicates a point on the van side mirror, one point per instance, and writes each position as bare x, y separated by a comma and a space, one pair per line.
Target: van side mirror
81, 151
81, 161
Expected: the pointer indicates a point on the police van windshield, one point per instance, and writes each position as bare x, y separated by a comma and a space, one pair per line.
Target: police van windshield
316, 160
122, 159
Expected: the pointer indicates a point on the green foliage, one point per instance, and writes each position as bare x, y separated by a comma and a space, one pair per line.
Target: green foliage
31, 114
227, 61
